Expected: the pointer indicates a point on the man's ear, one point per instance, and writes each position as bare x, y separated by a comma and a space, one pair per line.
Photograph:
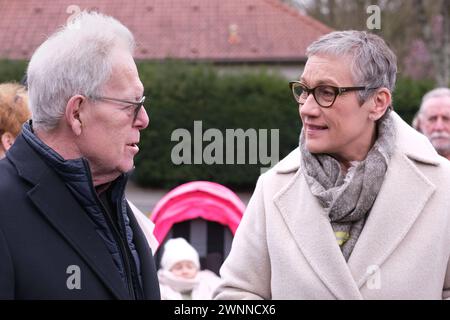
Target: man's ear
379, 102
73, 113
7, 140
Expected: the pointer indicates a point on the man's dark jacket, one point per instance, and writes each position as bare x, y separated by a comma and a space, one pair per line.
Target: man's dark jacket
47, 239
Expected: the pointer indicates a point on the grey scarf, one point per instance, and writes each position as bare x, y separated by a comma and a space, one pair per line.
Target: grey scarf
348, 197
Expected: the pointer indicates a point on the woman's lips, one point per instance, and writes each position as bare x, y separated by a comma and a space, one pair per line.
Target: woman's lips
315, 127
313, 130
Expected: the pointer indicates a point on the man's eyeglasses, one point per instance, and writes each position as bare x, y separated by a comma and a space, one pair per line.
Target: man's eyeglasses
324, 95
137, 104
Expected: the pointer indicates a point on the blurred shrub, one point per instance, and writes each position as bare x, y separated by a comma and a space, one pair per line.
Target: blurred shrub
408, 95
12, 71
181, 93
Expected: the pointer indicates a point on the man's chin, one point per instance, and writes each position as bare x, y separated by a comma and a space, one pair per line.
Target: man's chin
442, 149
129, 166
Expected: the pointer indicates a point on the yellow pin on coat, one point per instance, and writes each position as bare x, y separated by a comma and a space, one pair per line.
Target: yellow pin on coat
341, 237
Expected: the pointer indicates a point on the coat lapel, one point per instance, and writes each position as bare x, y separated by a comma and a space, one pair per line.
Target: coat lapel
401, 199
393, 214
403, 195
65, 214
70, 220
395, 210
314, 236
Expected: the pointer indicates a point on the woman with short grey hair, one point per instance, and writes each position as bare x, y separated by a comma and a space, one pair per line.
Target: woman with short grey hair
360, 210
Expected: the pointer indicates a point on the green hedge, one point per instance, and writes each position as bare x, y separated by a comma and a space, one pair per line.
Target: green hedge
408, 95
12, 71
181, 93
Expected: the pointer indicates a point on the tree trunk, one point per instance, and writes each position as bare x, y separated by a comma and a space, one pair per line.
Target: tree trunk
445, 9
437, 44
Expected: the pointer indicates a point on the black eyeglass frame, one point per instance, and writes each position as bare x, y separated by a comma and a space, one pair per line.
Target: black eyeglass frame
138, 104
337, 91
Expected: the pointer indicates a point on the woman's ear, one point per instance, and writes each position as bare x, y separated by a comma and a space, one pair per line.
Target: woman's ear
7, 140
73, 113
381, 100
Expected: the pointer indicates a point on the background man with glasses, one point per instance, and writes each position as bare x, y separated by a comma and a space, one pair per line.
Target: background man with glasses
360, 210
66, 229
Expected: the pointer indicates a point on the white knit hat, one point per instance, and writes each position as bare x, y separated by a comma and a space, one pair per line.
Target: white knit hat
176, 250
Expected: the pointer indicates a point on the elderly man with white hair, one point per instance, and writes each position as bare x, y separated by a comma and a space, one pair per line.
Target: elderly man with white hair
434, 119
66, 228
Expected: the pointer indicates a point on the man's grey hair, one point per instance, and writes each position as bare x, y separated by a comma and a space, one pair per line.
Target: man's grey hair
435, 93
77, 59
374, 65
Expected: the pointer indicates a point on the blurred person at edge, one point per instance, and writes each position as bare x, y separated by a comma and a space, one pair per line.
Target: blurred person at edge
180, 277
434, 119
66, 229
361, 209
14, 112
416, 122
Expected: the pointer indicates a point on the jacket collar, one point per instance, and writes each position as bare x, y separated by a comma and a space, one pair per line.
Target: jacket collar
74, 172
19, 155
65, 214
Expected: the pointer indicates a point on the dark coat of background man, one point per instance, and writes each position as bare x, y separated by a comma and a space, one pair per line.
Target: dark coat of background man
66, 229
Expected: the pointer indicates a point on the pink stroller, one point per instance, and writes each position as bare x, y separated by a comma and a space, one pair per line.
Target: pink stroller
206, 214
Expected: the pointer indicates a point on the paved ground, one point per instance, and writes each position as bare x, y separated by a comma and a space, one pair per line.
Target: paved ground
146, 199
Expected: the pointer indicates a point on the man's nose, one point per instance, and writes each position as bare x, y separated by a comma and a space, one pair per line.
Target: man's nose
142, 119
439, 125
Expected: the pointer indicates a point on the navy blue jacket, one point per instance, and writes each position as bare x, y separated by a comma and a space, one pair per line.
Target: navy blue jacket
45, 234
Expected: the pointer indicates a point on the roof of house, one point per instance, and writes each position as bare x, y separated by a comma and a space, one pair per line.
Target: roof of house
214, 30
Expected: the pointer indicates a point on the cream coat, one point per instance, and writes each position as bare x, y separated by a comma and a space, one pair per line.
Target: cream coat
285, 247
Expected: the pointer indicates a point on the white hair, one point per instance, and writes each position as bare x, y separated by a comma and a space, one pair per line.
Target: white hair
77, 59
374, 65
435, 93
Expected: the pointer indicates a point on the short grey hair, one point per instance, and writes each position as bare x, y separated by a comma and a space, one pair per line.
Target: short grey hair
435, 93
374, 65
77, 59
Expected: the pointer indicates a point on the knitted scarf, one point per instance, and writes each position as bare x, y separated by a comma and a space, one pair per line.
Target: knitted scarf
348, 197
176, 283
